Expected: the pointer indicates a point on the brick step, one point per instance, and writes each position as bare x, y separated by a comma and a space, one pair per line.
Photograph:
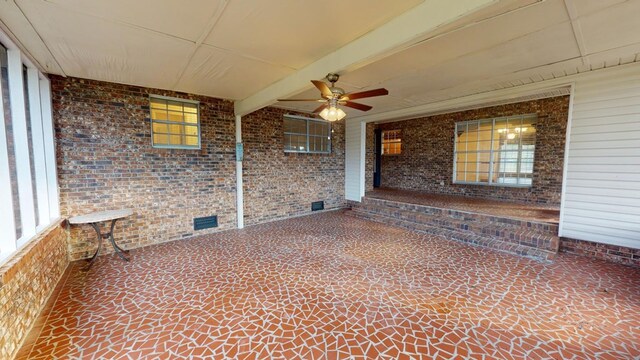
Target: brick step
533, 239
469, 238
470, 218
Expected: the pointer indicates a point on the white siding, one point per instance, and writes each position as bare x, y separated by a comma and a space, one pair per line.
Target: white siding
354, 172
601, 202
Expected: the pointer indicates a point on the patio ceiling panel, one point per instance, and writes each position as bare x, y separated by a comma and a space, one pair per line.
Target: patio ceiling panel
222, 74
586, 7
295, 33
96, 48
506, 58
614, 27
184, 20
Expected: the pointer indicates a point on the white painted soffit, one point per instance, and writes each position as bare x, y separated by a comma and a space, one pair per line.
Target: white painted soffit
409, 28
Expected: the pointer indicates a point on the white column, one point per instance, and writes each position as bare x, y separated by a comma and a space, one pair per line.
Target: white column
565, 165
239, 190
7, 225
21, 142
354, 159
37, 139
49, 137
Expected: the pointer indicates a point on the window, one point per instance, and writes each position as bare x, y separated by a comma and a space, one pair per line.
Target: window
10, 145
391, 142
496, 151
306, 135
28, 186
175, 123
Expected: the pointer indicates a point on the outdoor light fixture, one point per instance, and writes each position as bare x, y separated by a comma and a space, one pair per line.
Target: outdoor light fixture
332, 112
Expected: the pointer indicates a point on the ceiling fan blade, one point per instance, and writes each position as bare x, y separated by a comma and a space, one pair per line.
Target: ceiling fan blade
320, 108
358, 106
324, 89
302, 99
366, 94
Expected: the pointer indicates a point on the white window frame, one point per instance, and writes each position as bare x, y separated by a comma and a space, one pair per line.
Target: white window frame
43, 148
307, 135
491, 152
153, 121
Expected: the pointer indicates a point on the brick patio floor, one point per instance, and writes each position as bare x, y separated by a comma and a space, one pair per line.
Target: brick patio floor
333, 286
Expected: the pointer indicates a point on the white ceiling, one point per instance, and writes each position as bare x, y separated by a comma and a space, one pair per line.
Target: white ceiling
234, 48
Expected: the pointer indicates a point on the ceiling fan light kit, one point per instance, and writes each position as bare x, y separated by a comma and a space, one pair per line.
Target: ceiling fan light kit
332, 112
334, 96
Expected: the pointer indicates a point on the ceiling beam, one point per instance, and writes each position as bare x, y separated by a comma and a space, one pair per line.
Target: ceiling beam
577, 31
402, 31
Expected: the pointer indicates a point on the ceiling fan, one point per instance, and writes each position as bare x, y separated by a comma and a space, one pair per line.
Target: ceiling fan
334, 96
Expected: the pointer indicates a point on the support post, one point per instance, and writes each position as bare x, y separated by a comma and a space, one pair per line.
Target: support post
239, 158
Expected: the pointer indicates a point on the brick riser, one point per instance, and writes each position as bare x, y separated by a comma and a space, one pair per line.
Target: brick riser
532, 239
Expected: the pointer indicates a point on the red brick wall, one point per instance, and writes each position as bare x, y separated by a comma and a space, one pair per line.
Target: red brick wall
612, 253
27, 280
279, 184
427, 153
105, 161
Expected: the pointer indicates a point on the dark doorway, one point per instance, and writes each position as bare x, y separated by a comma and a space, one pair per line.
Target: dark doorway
378, 162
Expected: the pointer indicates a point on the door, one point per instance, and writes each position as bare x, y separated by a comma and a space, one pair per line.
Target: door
377, 172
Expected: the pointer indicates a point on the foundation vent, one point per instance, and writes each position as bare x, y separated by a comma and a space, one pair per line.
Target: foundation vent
205, 222
317, 205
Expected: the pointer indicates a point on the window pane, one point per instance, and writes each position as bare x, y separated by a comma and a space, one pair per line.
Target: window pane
301, 142
176, 129
27, 109
176, 116
317, 129
287, 142
297, 126
174, 106
160, 139
175, 139
191, 140
4, 82
191, 130
318, 144
191, 118
158, 104
159, 115
190, 108
160, 128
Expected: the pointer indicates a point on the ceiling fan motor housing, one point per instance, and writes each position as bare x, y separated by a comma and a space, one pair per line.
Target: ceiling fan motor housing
332, 77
